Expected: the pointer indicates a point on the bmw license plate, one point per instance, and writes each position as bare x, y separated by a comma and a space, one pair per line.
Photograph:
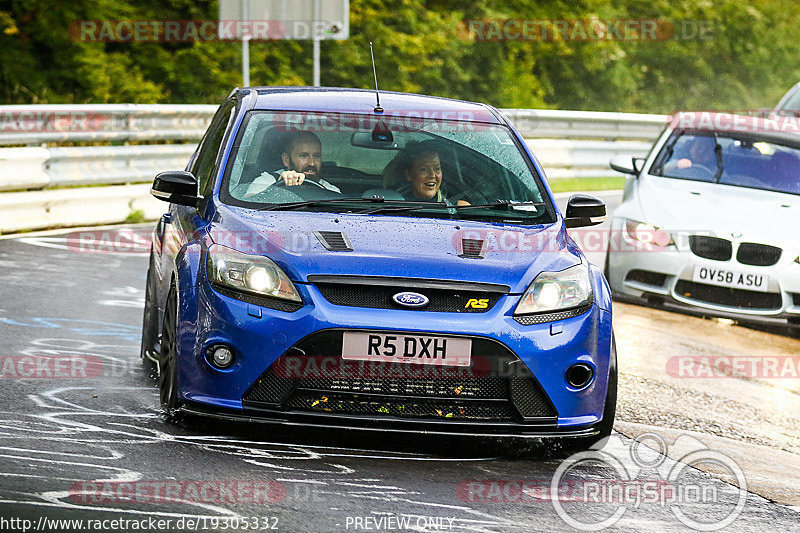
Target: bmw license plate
730, 278
403, 348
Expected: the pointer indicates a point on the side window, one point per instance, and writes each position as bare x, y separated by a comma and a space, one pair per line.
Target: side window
203, 165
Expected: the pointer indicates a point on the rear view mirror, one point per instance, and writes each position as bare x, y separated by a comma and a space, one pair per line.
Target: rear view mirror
379, 142
176, 186
584, 210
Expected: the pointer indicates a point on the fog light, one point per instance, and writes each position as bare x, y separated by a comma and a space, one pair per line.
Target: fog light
219, 356
579, 375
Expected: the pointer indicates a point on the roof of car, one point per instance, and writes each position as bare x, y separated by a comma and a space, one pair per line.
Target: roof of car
362, 101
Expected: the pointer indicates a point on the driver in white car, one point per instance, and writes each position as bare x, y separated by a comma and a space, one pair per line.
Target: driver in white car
699, 162
302, 157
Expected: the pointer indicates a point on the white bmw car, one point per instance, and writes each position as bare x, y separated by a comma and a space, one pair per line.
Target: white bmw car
710, 220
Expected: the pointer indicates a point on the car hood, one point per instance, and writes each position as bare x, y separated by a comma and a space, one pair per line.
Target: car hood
697, 207
396, 246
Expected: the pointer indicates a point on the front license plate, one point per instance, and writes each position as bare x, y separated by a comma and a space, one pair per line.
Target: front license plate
401, 348
731, 278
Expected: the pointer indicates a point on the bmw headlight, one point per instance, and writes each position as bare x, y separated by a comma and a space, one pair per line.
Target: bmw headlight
250, 273
554, 291
648, 233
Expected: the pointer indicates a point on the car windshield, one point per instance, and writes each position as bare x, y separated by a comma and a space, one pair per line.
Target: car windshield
792, 103
383, 164
742, 161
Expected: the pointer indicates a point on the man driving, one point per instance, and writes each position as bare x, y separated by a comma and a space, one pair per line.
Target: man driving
302, 159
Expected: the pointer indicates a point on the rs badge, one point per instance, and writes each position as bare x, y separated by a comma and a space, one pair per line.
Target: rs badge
474, 303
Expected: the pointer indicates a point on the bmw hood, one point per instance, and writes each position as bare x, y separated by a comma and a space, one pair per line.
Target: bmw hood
313, 243
723, 210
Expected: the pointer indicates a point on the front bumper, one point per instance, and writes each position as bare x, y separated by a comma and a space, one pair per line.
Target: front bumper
260, 336
665, 275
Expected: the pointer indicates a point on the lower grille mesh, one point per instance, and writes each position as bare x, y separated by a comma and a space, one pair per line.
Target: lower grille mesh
728, 296
403, 408
487, 387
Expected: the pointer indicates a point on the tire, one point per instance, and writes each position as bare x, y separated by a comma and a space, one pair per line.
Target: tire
148, 352
168, 360
610, 409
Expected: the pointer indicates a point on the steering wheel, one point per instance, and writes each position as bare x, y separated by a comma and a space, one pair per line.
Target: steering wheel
701, 167
307, 190
472, 192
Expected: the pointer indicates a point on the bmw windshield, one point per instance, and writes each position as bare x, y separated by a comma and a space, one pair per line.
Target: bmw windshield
383, 165
743, 161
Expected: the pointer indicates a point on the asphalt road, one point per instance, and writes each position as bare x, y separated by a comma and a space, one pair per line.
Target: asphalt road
77, 443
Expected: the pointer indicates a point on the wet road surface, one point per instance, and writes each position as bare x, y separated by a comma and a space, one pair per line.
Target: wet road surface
76, 447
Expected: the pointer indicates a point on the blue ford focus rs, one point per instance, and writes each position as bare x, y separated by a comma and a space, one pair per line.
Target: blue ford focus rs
328, 260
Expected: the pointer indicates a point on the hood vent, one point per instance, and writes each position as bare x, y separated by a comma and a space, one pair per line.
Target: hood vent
472, 248
335, 241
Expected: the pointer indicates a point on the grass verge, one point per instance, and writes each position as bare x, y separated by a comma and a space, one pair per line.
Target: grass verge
586, 184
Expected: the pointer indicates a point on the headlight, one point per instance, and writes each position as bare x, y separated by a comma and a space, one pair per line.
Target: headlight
553, 291
250, 273
647, 233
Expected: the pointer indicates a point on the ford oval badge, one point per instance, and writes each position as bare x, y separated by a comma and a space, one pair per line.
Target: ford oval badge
410, 299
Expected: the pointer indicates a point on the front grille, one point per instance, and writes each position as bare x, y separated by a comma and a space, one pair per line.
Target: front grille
728, 296
497, 386
796, 299
711, 247
376, 292
647, 277
445, 301
751, 253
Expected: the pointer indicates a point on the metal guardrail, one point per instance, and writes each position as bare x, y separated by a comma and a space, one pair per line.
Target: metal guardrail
37, 124
555, 124
568, 143
43, 168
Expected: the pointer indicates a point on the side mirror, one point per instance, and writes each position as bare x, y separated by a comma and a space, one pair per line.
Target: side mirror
177, 187
627, 165
584, 210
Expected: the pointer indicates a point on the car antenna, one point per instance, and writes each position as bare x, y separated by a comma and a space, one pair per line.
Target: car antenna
378, 109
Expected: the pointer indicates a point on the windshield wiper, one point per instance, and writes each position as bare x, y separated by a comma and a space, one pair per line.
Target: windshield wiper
505, 205
404, 205
718, 153
295, 205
